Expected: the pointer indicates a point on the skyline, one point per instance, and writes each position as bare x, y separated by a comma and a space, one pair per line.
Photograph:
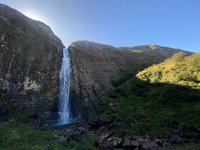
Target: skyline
174, 23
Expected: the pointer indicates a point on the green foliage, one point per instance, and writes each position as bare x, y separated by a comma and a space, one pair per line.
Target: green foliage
179, 70
19, 137
145, 107
86, 143
14, 136
145, 58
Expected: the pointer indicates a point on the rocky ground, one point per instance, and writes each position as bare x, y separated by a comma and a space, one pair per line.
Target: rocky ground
100, 131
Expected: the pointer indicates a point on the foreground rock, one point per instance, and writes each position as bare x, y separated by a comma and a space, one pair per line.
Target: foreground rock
105, 139
30, 57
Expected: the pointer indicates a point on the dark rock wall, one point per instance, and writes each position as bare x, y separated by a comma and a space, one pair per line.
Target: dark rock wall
30, 60
94, 66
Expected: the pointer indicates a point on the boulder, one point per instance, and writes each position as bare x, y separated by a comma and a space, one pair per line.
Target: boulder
127, 141
148, 145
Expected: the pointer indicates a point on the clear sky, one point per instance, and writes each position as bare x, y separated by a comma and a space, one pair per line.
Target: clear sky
173, 23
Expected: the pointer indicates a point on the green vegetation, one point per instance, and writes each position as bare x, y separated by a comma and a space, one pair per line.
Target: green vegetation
146, 58
178, 69
148, 104
14, 136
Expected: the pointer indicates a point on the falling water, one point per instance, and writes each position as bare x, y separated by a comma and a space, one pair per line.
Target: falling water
64, 77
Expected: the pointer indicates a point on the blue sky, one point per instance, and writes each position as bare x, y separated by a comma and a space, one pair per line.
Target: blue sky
173, 23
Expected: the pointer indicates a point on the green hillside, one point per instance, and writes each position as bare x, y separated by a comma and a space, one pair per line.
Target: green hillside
178, 70
158, 98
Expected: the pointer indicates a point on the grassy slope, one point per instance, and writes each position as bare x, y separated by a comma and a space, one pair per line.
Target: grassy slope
178, 69
151, 108
14, 136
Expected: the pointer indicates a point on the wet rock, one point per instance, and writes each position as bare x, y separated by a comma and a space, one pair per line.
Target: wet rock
159, 142
191, 132
134, 138
106, 146
76, 136
127, 141
166, 144
82, 130
104, 136
117, 142
148, 145
101, 129
175, 139
178, 130
134, 144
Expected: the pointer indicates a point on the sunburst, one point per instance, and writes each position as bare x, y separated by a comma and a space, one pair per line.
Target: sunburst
34, 16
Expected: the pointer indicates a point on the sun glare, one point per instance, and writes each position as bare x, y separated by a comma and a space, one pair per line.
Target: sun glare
33, 16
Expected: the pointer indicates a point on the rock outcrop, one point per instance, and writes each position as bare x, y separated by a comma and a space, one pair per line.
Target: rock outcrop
95, 66
30, 60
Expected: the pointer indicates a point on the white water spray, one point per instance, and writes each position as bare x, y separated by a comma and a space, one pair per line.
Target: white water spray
64, 77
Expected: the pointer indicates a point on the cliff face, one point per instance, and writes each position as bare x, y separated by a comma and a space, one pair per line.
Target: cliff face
30, 60
95, 68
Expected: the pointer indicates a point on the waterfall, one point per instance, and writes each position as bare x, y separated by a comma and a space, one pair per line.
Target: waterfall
64, 81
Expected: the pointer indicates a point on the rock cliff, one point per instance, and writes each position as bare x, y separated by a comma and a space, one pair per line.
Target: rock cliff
95, 68
30, 60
